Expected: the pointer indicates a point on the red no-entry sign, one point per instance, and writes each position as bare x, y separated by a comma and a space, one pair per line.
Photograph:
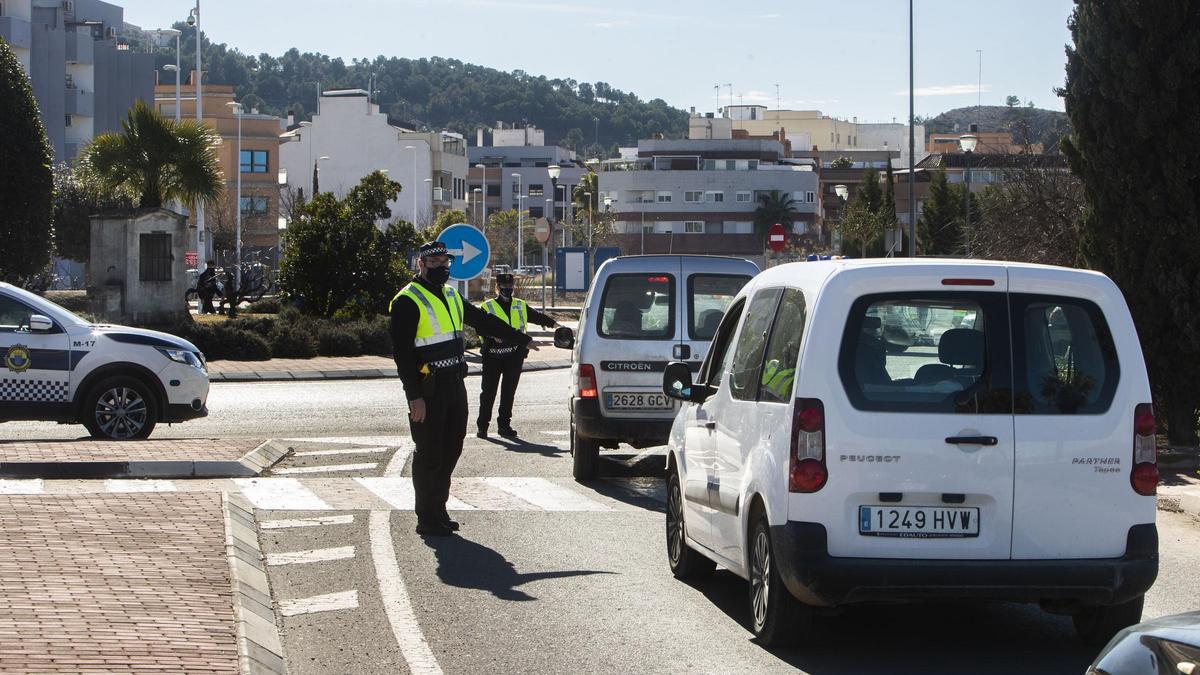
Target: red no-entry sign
776, 237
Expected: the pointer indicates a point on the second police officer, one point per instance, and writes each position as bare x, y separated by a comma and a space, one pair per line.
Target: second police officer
503, 360
427, 318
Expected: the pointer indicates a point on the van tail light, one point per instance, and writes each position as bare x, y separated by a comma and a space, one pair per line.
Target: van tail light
1144, 477
587, 381
807, 471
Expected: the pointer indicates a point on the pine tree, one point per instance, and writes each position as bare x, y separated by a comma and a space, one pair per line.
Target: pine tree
940, 225
26, 179
1132, 100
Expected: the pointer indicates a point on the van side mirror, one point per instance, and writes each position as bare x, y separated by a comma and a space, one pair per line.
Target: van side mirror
39, 323
677, 383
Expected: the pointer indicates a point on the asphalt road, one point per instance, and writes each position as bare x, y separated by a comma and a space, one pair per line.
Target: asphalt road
580, 586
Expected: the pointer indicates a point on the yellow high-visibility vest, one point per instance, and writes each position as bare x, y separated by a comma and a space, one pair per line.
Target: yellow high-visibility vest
439, 338
518, 312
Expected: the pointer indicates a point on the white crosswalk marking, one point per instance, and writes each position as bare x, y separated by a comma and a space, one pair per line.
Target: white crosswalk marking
313, 556
546, 495
341, 451
117, 485
398, 493
280, 493
306, 522
22, 486
331, 468
319, 603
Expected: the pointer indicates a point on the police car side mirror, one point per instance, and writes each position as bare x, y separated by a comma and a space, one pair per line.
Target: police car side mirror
677, 383
40, 324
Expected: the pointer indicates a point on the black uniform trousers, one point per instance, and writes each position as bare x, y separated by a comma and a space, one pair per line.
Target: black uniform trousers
505, 373
439, 441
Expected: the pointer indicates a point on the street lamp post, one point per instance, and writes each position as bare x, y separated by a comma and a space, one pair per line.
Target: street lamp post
237, 112
968, 142
430, 181
475, 208
194, 20
843, 194
483, 169
520, 240
555, 171
589, 220
316, 173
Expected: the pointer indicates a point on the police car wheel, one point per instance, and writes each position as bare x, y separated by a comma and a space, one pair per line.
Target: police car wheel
120, 408
585, 453
685, 562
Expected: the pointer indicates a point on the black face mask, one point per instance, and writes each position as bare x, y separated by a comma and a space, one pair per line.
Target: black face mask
437, 275
506, 293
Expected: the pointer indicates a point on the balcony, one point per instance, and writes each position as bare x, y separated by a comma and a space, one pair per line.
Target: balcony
441, 195
80, 47
80, 102
16, 32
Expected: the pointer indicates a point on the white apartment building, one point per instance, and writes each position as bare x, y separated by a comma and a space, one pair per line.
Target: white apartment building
349, 138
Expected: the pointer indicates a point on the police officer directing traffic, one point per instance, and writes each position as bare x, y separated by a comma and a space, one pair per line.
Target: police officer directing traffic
427, 320
502, 361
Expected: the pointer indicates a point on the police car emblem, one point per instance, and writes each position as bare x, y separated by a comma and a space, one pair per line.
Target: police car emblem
17, 359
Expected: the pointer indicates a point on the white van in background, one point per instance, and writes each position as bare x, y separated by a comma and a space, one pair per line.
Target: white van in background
641, 313
886, 430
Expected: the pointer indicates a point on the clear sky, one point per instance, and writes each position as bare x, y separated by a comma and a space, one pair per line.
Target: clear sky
847, 58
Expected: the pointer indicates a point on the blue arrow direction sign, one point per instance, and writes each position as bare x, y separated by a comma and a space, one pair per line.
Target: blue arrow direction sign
470, 250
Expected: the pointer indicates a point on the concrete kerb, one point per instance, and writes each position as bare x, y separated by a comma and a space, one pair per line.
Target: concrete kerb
260, 649
249, 465
363, 374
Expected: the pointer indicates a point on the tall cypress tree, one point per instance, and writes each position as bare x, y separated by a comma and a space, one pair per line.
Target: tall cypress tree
939, 229
26, 179
1134, 106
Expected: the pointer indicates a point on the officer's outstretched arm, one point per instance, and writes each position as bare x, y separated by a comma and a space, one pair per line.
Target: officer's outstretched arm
487, 324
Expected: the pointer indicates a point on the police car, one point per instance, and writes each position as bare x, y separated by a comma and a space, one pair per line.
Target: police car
117, 381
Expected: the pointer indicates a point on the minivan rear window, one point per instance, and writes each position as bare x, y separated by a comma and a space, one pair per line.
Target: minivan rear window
928, 352
1064, 357
638, 307
708, 297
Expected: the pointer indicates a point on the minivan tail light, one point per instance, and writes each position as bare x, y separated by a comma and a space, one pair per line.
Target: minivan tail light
1144, 477
807, 471
587, 381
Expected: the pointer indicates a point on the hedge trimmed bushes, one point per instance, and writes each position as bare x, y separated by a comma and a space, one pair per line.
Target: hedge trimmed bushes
290, 334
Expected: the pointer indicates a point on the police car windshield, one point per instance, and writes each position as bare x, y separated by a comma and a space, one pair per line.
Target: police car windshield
43, 306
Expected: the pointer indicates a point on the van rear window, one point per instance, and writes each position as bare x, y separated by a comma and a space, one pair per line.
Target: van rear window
638, 307
708, 296
1064, 357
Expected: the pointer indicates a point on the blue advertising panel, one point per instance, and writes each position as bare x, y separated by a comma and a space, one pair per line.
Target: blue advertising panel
470, 250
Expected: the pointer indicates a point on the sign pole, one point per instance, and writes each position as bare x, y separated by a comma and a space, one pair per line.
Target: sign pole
544, 277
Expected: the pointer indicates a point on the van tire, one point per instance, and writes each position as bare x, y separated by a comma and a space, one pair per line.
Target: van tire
1097, 625
685, 561
777, 619
585, 455
139, 420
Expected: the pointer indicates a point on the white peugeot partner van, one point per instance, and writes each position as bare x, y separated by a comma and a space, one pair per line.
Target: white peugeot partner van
886, 430
117, 381
641, 313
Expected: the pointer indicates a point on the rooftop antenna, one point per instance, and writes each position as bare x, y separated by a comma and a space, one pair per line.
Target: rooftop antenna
717, 89
979, 86
776, 102
730, 93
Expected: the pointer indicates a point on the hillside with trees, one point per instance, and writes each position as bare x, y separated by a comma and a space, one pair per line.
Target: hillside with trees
435, 93
1037, 125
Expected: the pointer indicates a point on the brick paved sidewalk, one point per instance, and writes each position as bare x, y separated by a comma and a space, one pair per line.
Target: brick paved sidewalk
115, 583
165, 458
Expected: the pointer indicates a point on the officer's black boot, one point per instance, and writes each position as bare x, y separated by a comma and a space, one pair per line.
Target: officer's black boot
433, 529
507, 431
482, 433
448, 522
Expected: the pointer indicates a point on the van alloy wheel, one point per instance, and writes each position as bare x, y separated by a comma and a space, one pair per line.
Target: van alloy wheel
685, 562
121, 412
674, 524
760, 579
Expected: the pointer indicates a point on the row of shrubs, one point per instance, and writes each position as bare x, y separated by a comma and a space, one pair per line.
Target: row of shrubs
292, 335
288, 335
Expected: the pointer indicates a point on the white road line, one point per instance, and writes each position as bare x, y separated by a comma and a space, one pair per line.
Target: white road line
395, 466
392, 591
22, 486
344, 451
546, 495
306, 522
332, 468
319, 603
557, 433
314, 556
398, 492
284, 494
390, 441
656, 450
144, 485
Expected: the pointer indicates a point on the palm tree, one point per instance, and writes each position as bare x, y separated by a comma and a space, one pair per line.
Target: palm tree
773, 207
588, 183
156, 159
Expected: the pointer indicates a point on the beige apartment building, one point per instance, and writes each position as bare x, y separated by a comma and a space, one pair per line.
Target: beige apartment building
258, 165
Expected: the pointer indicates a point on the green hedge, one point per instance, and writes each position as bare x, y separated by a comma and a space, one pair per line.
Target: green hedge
290, 334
